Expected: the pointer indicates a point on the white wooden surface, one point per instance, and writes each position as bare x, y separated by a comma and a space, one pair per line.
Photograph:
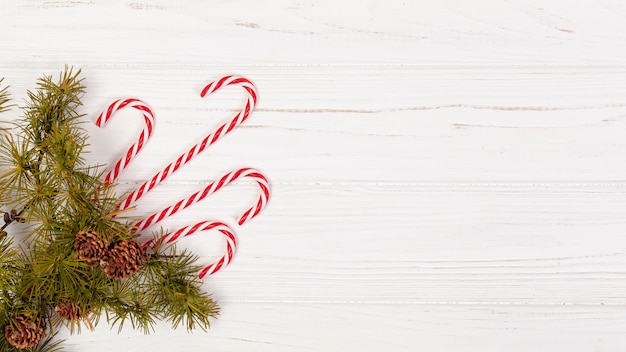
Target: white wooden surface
447, 175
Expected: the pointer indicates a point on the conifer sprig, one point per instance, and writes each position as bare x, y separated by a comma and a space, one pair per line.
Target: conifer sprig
45, 282
4, 96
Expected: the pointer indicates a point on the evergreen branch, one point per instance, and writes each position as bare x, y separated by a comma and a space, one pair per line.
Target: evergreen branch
176, 288
4, 97
48, 345
79, 262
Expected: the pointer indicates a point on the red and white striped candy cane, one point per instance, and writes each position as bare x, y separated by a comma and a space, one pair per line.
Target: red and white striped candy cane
250, 213
148, 117
207, 141
231, 242
261, 180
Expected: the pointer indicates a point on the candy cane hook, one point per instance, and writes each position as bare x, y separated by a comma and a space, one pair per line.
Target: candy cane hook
148, 117
230, 177
231, 242
207, 141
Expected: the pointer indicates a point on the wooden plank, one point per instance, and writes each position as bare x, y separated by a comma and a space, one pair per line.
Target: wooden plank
332, 327
399, 32
534, 244
372, 124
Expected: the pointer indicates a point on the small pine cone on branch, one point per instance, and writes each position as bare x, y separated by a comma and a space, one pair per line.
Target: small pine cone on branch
69, 310
122, 259
89, 246
24, 332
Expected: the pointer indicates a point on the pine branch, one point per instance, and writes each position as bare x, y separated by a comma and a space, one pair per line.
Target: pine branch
175, 287
79, 262
48, 345
4, 97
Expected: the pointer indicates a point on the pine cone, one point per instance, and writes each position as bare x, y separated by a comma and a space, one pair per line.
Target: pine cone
12, 216
89, 246
25, 331
122, 259
70, 311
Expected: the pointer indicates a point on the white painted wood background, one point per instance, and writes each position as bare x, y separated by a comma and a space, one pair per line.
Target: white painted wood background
447, 175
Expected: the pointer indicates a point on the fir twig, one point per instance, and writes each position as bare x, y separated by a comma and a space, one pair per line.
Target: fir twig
4, 97
80, 261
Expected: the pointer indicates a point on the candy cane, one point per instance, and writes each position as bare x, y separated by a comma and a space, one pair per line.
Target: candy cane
224, 129
231, 242
148, 117
250, 213
207, 141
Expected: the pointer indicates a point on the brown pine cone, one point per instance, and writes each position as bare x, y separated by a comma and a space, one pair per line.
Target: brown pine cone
70, 311
89, 246
122, 259
9, 217
24, 331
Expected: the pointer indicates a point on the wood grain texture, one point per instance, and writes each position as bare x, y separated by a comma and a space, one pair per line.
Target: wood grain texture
377, 123
446, 175
315, 327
